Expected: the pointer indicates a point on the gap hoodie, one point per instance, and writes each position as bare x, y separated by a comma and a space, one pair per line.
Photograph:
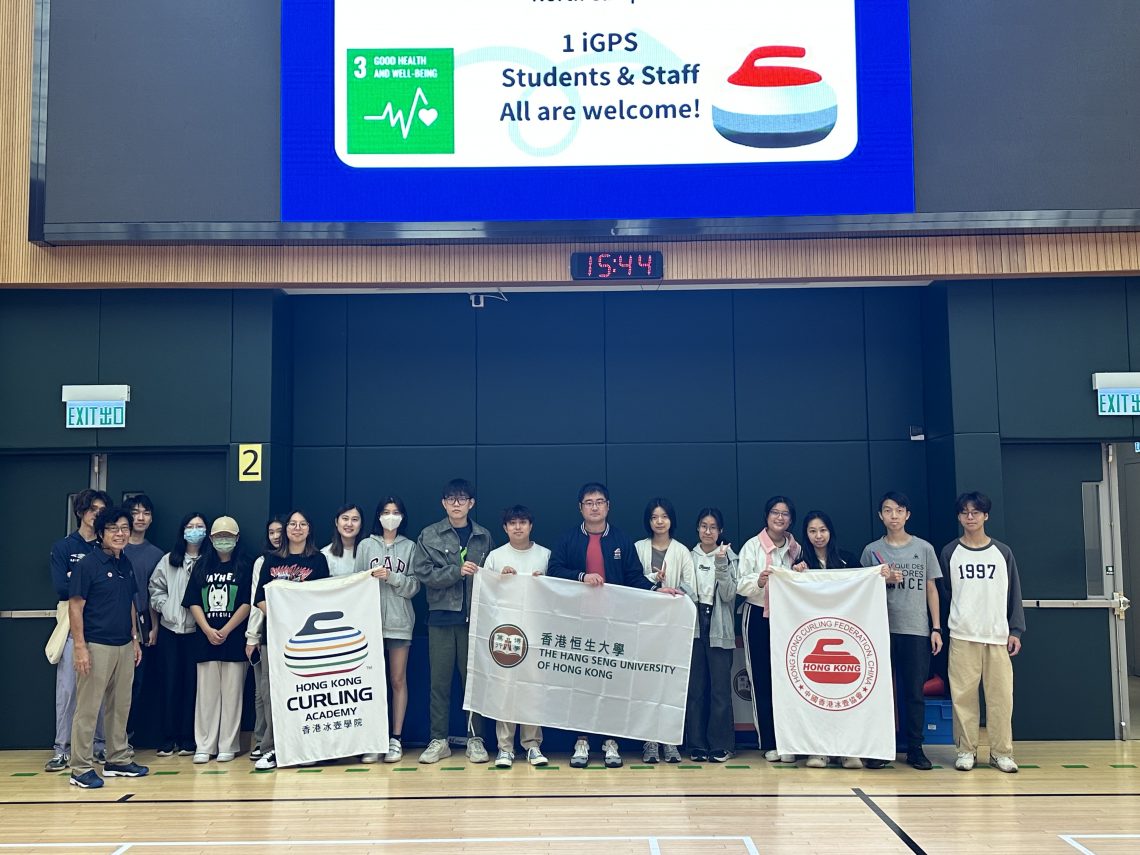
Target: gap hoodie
396, 592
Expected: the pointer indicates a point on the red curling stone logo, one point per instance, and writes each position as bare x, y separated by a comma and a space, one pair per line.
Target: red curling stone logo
832, 663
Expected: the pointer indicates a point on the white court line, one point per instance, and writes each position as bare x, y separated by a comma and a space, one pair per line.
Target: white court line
1071, 839
653, 842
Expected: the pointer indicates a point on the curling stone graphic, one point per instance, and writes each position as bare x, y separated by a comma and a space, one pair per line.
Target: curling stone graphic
774, 106
831, 666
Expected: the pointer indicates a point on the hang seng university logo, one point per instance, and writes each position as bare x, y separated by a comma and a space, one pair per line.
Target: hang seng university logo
318, 651
508, 645
832, 663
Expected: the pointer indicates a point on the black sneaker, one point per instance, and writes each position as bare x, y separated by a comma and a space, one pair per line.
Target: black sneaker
699, 755
101, 757
875, 764
57, 763
125, 770
89, 780
165, 751
721, 756
919, 760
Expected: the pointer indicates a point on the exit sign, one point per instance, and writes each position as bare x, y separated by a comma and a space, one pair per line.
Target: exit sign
1117, 393
96, 414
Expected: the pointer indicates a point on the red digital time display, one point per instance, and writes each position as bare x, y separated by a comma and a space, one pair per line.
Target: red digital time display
616, 266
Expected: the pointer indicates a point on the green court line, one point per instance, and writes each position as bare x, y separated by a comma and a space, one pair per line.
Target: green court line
1072, 766
733, 766
452, 768
1123, 765
1028, 766
405, 769
494, 768
353, 769
791, 766
643, 766
24, 774
690, 766
251, 771
309, 771
165, 773
936, 766
214, 772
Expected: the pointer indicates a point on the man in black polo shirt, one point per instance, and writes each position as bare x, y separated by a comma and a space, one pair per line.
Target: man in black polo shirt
104, 628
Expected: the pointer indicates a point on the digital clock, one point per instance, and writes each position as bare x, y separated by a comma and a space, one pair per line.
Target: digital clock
617, 266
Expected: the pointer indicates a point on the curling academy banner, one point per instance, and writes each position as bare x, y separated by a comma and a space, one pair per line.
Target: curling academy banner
608, 660
831, 664
325, 646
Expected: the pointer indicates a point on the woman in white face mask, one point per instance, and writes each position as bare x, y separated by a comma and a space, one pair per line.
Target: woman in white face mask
387, 555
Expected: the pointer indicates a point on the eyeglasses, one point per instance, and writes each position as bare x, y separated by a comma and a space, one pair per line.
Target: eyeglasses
117, 529
594, 504
971, 514
781, 514
456, 500
295, 524
709, 528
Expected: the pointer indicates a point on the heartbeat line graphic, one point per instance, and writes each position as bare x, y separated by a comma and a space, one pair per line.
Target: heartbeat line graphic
397, 117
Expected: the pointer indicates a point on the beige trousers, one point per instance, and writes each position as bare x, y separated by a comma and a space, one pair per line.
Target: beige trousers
108, 684
530, 735
971, 663
217, 707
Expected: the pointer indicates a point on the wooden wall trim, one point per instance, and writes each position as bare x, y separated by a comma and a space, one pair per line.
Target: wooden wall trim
838, 259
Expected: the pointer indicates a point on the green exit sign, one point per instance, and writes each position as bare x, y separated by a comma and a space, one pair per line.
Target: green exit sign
1118, 402
96, 414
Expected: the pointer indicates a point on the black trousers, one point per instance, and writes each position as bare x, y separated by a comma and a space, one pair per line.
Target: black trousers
758, 645
709, 723
179, 685
910, 661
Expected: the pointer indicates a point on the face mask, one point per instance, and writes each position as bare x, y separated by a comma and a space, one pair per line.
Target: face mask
391, 522
194, 535
224, 545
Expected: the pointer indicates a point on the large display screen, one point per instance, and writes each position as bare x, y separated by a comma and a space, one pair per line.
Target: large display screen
524, 110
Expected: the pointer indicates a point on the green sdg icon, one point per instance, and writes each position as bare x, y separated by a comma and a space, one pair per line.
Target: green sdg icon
401, 101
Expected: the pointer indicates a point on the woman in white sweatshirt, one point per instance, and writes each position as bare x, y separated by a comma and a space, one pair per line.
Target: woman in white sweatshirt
255, 636
341, 552
667, 563
176, 634
387, 555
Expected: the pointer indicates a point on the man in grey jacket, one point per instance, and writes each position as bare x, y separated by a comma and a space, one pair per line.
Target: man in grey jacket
448, 553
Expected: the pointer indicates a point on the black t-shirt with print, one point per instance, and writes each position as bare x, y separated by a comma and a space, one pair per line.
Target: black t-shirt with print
217, 589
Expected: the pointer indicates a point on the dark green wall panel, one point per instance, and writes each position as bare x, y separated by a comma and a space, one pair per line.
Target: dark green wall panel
48, 339
790, 345
545, 478
253, 366
30, 677
318, 487
319, 370
900, 466
541, 370
691, 476
973, 368
665, 351
895, 342
1043, 513
978, 466
174, 349
426, 345
1051, 337
177, 483
938, 410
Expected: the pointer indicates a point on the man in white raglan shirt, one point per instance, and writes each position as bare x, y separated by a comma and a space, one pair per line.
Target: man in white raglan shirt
986, 623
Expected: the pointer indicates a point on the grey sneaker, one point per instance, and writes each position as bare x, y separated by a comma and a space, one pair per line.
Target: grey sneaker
370, 758
437, 749
580, 759
612, 755
476, 751
1006, 764
395, 751
57, 763
649, 753
672, 755
535, 757
505, 760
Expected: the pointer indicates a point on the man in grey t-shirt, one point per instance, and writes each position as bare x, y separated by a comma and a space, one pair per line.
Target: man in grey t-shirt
910, 597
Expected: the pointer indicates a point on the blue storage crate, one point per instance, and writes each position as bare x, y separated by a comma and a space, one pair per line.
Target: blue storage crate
939, 724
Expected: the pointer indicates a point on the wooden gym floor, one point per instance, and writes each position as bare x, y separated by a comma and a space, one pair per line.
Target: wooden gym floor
1069, 797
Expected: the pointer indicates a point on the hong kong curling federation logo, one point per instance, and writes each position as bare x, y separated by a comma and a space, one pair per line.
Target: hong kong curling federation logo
508, 645
318, 651
832, 663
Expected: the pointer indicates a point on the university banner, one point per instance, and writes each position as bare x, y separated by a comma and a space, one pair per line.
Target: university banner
831, 663
609, 660
328, 686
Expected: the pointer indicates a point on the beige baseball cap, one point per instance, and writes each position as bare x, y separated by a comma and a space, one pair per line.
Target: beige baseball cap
225, 524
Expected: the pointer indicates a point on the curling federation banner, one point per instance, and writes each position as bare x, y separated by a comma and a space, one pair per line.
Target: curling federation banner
831, 663
609, 660
325, 646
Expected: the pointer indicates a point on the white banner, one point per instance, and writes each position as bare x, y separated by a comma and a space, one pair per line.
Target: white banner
328, 686
609, 660
831, 663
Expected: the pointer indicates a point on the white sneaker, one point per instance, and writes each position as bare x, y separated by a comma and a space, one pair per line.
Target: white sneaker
817, 761
612, 755
772, 756
787, 758
395, 751
649, 753
850, 762
1006, 764
268, 760
225, 757
535, 757
370, 758
505, 760
580, 759
201, 757
476, 751
437, 749
965, 761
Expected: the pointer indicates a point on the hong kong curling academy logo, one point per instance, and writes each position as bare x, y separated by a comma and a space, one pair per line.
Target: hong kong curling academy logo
742, 685
318, 651
508, 645
832, 663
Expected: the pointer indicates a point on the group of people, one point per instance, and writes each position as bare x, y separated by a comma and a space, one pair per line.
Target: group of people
200, 608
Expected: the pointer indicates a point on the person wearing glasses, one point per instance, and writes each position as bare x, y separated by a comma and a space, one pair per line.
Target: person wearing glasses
297, 560
773, 548
597, 553
255, 636
448, 554
710, 729
104, 629
911, 597
986, 624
